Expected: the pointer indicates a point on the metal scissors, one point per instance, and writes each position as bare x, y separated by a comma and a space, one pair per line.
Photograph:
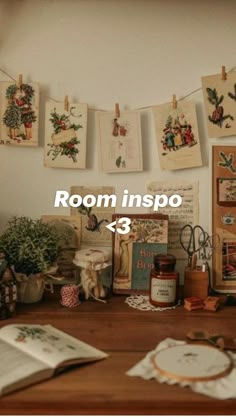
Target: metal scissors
192, 239
209, 244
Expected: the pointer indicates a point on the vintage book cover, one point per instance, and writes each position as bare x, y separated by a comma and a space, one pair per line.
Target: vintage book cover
133, 252
33, 353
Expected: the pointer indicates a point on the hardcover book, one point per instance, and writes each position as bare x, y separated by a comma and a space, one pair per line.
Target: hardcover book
133, 252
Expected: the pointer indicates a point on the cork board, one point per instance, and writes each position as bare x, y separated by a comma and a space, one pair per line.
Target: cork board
224, 216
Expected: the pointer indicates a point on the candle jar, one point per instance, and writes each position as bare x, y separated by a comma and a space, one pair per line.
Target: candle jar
164, 281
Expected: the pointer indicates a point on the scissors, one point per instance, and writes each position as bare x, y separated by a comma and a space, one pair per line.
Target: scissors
209, 244
192, 239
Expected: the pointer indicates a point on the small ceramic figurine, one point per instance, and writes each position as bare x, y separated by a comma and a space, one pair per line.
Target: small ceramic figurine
8, 290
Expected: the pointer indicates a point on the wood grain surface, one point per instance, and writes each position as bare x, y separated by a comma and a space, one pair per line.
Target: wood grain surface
127, 334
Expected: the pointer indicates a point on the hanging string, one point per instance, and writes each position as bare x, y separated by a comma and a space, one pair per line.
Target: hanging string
103, 110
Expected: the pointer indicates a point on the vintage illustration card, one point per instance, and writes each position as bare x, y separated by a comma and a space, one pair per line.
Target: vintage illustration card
120, 141
177, 135
220, 104
19, 114
133, 252
65, 136
94, 219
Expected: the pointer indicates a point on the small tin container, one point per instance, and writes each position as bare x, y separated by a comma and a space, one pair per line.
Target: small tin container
164, 281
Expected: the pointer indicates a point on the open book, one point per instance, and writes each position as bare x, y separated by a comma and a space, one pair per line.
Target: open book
33, 353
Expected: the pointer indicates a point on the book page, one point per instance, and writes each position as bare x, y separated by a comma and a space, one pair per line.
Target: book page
16, 366
46, 343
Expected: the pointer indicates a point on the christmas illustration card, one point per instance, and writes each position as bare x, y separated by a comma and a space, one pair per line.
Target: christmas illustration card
220, 104
120, 141
19, 114
65, 136
177, 135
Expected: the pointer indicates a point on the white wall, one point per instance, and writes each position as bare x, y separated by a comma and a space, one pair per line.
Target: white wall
136, 52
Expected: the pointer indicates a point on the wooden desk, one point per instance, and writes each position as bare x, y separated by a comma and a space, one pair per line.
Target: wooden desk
127, 335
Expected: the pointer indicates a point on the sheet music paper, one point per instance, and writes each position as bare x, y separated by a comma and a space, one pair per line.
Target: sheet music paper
188, 212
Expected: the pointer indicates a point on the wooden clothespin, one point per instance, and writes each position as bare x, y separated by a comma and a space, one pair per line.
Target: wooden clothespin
174, 102
223, 73
20, 80
117, 110
66, 103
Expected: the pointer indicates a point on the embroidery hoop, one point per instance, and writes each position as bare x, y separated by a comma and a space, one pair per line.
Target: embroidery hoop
164, 363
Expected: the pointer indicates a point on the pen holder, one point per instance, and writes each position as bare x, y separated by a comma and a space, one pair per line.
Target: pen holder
196, 283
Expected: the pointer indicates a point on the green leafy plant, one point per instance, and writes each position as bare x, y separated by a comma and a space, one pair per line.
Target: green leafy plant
31, 246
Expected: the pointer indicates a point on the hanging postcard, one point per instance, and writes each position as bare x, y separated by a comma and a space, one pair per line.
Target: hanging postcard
177, 135
65, 136
220, 104
19, 114
120, 141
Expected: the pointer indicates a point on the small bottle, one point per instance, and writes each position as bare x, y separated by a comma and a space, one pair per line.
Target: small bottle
164, 281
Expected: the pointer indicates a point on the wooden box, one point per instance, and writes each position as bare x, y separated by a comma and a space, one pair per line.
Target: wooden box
196, 283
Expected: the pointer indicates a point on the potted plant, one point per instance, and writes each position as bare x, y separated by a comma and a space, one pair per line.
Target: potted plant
31, 248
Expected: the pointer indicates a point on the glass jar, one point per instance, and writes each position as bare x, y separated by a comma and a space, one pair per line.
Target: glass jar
164, 281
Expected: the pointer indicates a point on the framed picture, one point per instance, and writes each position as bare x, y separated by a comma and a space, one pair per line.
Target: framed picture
133, 252
226, 191
223, 215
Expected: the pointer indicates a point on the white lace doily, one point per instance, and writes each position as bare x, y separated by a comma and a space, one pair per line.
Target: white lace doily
142, 303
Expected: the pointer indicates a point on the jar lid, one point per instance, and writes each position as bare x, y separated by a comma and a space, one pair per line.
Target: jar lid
164, 261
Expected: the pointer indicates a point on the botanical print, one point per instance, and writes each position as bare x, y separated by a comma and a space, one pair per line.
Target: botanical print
220, 104
50, 342
177, 135
227, 161
226, 188
134, 251
120, 141
65, 136
19, 114
94, 219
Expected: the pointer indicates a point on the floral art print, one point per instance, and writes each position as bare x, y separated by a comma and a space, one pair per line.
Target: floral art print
65, 136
